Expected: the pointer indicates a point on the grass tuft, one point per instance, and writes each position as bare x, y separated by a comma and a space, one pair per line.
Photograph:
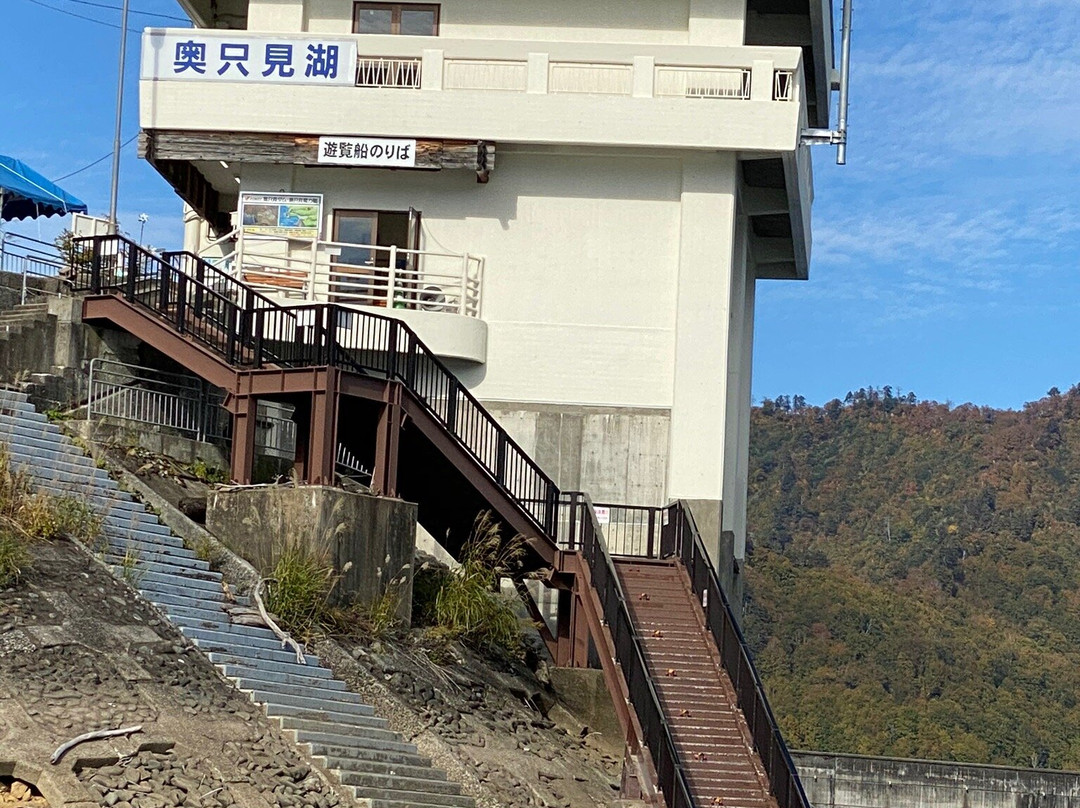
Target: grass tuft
299, 592
469, 605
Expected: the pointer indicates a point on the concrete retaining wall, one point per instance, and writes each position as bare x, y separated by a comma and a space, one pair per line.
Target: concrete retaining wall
854, 781
376, 534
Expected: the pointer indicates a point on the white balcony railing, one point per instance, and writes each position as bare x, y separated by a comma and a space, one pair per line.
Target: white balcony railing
584, 77
383, 277
784, 85
380, 72
486, 74
701, 82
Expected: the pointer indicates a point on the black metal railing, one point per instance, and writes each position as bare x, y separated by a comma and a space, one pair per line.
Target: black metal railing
670, 532
585, 534
720, 619
249, 329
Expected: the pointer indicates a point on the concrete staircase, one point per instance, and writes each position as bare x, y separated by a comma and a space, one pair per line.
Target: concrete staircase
13, 320
338, 729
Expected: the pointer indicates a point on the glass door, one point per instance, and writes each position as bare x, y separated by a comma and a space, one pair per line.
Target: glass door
353, 272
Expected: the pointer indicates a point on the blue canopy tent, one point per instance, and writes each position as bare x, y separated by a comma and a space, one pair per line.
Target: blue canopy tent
25, 193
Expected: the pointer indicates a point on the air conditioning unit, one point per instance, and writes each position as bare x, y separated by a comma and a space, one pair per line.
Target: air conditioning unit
435, 298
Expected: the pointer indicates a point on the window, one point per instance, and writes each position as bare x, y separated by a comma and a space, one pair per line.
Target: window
406, 19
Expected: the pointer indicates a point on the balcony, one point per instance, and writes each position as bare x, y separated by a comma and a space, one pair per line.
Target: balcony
572, 93
438, 294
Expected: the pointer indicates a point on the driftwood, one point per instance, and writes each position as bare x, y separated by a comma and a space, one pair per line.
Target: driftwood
285, 638
63, 749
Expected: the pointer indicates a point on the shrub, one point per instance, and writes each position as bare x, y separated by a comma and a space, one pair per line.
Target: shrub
299, 592
13, 556
469, 605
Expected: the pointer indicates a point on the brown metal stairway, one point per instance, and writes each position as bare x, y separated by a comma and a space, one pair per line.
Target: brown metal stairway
709, 730
368, 380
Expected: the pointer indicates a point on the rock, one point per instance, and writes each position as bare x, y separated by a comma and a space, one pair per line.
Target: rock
20, 790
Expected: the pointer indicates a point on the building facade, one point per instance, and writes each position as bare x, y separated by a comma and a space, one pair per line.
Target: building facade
571, 202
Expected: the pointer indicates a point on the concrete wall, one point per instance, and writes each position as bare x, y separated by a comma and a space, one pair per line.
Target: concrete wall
618, 455
718, 22
853, 781
376, 534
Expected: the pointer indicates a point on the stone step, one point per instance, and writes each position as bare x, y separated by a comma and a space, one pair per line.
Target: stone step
154, 588
301, 698
162, 599
285, 684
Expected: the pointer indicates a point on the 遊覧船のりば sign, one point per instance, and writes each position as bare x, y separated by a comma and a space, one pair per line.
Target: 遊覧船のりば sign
198, 55
367, 151
289, 215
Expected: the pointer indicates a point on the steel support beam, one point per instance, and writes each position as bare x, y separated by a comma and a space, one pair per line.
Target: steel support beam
388, 443
245, 412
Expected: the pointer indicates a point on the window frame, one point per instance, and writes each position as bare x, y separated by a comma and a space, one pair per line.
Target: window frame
395, 14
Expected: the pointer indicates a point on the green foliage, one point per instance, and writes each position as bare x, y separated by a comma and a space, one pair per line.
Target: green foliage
299, 592
211, 475
129, 566
55, 415
914, 577
13, 556
468, 605
26, 517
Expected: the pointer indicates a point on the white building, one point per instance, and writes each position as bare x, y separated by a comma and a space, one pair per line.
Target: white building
570, 201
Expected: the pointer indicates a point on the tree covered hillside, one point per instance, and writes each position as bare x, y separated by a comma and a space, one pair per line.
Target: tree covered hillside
914, 576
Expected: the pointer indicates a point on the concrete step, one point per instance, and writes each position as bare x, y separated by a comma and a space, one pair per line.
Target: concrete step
163, 599
265, 665
343, 765
361, 732
323, 714
399, 782
361, 756
155, 554
211, 614
286, 686
153, 587
338, 701
413, 799
190, 580
220, 623
332, 738
227, 638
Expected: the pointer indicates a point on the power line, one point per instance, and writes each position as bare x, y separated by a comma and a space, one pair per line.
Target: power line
80, 16
100, 159
130, 11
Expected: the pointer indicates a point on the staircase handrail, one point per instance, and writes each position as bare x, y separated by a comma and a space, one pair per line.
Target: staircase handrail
734, 651
586, 534
261, 331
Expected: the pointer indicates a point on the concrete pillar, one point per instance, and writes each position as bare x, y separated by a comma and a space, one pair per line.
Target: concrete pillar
739, 370
276, 16
703, 331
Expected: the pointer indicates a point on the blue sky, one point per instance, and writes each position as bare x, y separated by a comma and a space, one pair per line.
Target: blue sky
946, 253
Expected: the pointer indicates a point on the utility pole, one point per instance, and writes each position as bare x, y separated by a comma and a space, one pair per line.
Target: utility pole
119, 118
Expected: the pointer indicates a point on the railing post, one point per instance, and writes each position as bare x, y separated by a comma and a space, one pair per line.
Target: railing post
451, 405
233, 329
260, 322
391, 277
181, 301
131, 270
652, 528
500, 458
391, 349
318, 333
95, 266
163, 287
463, 300
200, 276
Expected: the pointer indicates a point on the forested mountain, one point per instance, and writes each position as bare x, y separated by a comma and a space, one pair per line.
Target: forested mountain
914, 576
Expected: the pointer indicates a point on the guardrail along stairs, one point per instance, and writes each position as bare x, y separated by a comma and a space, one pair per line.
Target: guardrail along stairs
674, 660
340, 731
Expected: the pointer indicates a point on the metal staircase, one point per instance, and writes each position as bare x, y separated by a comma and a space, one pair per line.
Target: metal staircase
339, 730
729, 752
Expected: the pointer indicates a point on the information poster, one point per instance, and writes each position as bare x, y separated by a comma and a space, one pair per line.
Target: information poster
288, 215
